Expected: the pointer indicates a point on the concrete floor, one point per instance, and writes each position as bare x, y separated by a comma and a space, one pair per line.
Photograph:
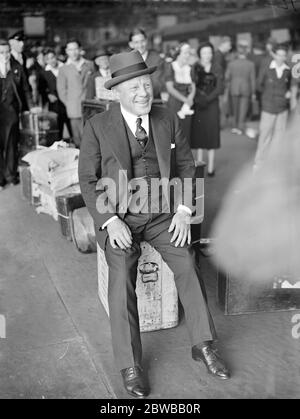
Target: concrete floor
57, 341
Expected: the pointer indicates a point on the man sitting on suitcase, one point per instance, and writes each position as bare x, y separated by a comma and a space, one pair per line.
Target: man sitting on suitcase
134, 140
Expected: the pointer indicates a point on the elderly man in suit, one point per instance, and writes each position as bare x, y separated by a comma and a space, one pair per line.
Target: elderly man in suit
72, 83
131, 141
240, 76
14, 97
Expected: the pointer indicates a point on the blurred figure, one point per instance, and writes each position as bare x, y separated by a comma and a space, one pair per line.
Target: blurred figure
274, 83
17, 43
258, 227
138, 41
221, 59
14, 98
180, 86
72, 83
240, 77
221, 53
257, 56
205, 133
99, 77
55, 104
269, 53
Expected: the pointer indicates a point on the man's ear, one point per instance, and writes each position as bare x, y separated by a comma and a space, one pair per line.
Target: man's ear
131, 44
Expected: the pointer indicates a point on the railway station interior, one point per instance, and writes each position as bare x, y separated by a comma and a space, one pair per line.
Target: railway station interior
212, 88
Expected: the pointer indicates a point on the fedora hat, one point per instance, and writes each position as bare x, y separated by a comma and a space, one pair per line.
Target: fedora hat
126, 66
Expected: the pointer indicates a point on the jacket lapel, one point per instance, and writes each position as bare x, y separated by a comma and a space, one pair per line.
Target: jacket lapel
161, 135
116, 136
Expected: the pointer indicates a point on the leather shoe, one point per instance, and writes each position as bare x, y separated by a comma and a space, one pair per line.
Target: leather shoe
212, 360
134, 382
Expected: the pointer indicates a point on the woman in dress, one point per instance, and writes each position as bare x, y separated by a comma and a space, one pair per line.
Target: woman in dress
205, 129
180, 87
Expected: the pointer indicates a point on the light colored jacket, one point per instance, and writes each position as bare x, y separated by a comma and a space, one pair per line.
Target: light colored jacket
72, 86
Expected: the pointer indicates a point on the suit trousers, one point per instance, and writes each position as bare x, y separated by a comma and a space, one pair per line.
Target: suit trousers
240, 105
271, 132
77, 126
9, 139
122, 300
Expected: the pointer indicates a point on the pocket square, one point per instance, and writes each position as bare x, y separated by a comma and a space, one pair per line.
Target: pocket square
173, 145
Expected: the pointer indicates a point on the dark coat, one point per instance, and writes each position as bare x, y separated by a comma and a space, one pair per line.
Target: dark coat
157, 77
15, 89
205, 131
50, 88
22, 65
220, 60
105, 151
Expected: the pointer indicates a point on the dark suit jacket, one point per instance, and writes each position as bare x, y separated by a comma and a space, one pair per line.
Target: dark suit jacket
51, 88
51, 82
22, 65
220, 60
105, 151
240, 75
17, 92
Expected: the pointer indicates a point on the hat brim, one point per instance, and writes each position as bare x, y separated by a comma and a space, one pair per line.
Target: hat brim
117, 80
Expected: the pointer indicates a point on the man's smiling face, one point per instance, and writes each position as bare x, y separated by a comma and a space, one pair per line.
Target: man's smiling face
136, 95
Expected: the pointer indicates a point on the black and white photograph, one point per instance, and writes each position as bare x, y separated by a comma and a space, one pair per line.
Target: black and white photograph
149, 202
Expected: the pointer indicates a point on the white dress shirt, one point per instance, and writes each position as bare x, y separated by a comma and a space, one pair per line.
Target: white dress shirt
131, 122
4, 69
145, 55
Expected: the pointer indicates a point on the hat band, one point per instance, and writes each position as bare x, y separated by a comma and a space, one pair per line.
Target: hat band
129, 69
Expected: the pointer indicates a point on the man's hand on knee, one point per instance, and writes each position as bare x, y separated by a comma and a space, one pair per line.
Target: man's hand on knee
119, 234
181, 225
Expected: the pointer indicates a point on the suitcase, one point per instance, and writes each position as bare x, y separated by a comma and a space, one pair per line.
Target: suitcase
83, 230
93, 106
29, 188
37, 129
155, 288
26, 182
45, 198
237, 296
65, 204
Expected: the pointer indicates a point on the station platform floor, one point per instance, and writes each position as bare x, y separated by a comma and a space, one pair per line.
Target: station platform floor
57, 342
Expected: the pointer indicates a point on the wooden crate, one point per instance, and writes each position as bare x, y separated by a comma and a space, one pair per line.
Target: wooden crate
155, 288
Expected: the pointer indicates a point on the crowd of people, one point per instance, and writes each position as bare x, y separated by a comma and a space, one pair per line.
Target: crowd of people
206, 88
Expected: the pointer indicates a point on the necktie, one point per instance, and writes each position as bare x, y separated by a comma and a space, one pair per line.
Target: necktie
140, 133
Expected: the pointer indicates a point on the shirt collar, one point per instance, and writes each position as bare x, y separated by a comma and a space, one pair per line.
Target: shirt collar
131, 120
78, 64
145, 55
282, 67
